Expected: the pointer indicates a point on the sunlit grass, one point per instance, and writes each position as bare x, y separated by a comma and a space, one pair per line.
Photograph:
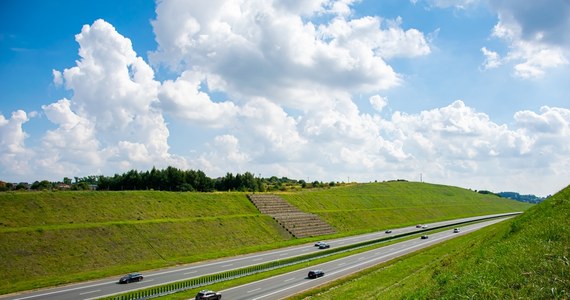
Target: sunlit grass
51, 238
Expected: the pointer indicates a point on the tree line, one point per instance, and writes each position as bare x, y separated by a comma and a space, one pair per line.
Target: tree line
171, 179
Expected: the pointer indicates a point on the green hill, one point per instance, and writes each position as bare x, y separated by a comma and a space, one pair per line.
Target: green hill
527, 257
49, 238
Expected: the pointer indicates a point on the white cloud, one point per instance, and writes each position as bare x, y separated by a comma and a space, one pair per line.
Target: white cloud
184, 99
14, 156
378, 102
537, 35
492, 59
267, 50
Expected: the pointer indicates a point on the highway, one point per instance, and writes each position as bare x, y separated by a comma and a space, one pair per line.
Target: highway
109, 286
286, 285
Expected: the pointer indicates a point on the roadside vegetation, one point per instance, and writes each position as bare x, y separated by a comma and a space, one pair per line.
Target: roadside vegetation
53, 237
523, 258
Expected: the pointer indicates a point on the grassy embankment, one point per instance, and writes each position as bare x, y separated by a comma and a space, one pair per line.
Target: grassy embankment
524, 258
376, 206
49, 238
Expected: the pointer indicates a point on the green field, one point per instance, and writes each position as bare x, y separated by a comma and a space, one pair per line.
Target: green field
51, 238
524, 258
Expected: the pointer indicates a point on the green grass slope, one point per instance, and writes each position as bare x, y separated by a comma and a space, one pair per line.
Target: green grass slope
524, 258
49, 238
376, 206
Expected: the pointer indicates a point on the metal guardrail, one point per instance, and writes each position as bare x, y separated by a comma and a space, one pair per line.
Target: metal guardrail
179, 286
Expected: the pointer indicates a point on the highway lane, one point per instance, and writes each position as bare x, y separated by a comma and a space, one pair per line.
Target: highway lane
108, 286
286, 285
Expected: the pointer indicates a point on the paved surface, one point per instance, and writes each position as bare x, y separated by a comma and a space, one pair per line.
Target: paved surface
109, 286
286, 285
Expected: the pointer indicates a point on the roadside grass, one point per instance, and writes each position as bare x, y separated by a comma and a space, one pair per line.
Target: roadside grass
54, 238
523, 258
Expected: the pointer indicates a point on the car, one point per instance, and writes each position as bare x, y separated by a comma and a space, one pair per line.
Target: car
315, 274
131, 277
456, 230
324, 246
424, 226
424, 237
208, 295
388, 231
318, 244
419, 226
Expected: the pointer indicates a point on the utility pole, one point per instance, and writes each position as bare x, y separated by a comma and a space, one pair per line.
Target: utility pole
421, 180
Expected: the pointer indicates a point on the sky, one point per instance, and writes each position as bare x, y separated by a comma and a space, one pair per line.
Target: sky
469, 93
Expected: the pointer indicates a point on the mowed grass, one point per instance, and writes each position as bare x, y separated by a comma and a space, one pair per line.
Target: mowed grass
376, 206
51, 238
524, 258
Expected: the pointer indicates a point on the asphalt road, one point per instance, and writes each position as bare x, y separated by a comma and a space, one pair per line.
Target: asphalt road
109, 286
286, 285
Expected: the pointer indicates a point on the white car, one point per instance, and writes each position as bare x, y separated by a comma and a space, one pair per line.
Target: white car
456, 230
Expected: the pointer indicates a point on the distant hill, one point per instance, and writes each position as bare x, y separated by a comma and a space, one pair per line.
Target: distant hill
523, 198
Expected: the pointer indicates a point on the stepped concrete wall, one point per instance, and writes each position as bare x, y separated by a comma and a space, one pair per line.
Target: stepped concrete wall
299, 224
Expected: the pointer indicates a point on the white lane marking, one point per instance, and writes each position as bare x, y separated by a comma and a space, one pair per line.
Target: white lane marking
289, 279
187, 273
85, 293
283, 254
149, 280
341, 264
257, 259
357, 265
228, 265
254, 290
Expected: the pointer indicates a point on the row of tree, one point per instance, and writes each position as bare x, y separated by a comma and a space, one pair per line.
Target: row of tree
171, 179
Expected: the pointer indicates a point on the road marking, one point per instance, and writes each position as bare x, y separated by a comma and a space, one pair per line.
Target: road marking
254, 290
189, 273
149, 280
283, 254
229, 265
341, 264
289, 279
257, 259
84, 293
361, 258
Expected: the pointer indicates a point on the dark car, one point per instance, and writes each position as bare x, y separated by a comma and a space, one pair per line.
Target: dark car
208, 295
132, 277
424, 237
318, 244
324, 246
456, 230
316, 273
388, 231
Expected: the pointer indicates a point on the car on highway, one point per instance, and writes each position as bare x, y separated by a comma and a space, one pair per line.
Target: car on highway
131, 277
324, 246
318, 244
424, 226
456, 230
424, 237
208, 295
388, 231
419, 226
315, 274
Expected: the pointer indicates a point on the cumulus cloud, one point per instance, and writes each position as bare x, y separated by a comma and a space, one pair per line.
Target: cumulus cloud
184, 99
14, 156
269, 50
110, 123
537, 35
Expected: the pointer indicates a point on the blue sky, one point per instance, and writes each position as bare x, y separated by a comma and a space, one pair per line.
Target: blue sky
471, 93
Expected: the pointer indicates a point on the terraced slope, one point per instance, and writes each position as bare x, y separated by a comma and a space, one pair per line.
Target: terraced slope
375, 206
298, 223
